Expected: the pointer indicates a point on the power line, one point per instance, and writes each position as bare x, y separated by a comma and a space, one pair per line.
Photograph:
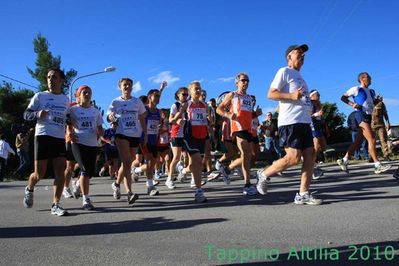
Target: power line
19, 81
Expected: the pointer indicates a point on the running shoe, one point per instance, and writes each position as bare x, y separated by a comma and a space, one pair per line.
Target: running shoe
381, 168
131, 198
317, 173
152, 191
250, 190
307, 199
87, 205
263, 182
170, 184
28, 198
56, 209
76, 190
117, 191
199, 196
343, 165
212, 176
135, 176
67, 193
225, 174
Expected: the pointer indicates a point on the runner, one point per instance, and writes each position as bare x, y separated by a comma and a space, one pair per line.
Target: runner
50, 109
111, 152
86, 125
237, 106
130, 114
291, 90
363, 103
177, 121
319, 140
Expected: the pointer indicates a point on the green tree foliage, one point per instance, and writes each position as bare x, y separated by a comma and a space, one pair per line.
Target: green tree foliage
46, 60
13, 103
335, 122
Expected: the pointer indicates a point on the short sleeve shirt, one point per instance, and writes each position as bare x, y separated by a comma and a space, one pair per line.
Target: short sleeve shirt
54, 123
289, 80
127, 113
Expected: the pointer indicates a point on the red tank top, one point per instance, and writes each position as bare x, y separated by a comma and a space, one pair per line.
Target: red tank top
197, 115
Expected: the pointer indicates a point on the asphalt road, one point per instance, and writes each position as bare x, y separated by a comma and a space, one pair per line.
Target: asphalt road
358, 223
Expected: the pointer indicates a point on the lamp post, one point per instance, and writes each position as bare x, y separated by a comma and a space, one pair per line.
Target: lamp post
106, 70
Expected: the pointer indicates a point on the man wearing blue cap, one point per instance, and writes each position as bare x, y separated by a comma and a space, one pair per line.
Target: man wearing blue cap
291, 90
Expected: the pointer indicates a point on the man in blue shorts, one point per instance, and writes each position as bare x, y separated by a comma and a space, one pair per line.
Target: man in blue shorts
291, 90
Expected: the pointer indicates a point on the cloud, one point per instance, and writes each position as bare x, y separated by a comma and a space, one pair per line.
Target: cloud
392, 102
164, 76
137, 87
228, 79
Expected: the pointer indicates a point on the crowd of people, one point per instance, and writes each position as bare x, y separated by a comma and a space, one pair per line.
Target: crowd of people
177, 143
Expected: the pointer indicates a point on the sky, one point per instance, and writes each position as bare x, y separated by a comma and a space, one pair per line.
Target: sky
210, 41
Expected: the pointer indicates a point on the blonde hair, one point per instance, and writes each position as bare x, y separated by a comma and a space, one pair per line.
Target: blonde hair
193, 83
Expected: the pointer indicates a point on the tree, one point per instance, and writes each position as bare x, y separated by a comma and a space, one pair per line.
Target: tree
335, 122
46, 60
13, 103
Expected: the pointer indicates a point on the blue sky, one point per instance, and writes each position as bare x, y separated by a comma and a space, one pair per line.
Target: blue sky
210, 41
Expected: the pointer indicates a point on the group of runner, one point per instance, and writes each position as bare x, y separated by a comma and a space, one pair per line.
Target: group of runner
138, 124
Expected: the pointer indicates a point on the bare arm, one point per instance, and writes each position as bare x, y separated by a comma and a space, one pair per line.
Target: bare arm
222, 108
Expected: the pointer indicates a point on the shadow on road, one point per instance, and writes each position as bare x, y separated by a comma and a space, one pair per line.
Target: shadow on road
142, 225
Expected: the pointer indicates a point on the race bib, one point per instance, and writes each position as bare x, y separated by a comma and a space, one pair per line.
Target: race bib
198, 117
152, 127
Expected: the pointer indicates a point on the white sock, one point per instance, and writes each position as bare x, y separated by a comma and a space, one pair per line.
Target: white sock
85, 197
345, 159
377, 164
303, 193
184, 171
150, 183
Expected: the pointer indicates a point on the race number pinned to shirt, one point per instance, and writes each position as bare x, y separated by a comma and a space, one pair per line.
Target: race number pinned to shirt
199, 117
152, 127
129, 121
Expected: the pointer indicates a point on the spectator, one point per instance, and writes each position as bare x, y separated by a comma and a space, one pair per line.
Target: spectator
5, 149
378, 125
22, 145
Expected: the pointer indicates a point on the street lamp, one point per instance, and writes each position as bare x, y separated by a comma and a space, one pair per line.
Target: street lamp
107, 69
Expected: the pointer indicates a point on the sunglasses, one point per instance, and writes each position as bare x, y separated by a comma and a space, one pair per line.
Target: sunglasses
184, 94
244, 80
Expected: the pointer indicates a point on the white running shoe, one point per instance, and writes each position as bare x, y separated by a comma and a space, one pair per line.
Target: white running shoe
135, 176
307, 199
56, 209
152, 191
263, 182
381, 168
117, 191
28, 198
67, 193
76, 190
343, 165
170, 184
